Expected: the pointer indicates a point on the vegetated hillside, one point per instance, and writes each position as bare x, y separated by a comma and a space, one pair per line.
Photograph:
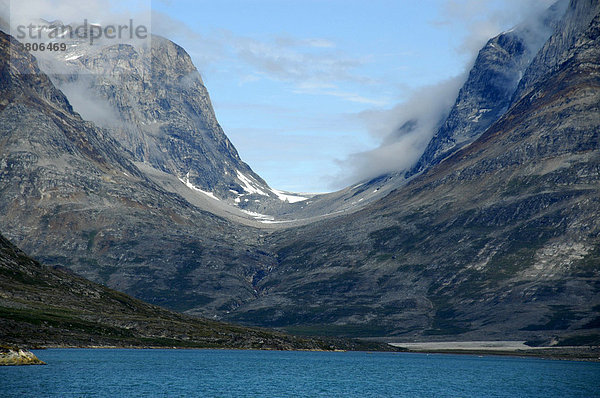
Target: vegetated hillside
500, 240
43, 306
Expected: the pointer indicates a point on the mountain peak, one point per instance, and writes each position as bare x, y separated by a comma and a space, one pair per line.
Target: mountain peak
154, 103
490, 86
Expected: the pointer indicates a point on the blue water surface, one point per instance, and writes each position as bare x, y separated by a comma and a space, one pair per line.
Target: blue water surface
231, 373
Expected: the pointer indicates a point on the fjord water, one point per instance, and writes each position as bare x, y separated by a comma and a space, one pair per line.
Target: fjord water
229, 373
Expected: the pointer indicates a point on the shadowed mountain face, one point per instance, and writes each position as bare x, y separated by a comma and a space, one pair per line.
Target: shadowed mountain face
498, 240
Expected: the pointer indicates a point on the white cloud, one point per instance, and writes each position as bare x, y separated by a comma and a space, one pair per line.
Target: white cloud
484, 19
332, 90
404, 131
287, 41
309, 65
292, 61
90, 107
75, 11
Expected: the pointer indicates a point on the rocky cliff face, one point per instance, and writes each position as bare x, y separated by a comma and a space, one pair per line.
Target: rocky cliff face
154, 103
490, 86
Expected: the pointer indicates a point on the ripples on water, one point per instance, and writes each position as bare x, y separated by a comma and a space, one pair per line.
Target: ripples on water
230, 373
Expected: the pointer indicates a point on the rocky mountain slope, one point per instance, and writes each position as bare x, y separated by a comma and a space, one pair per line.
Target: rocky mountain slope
501, 239
42, 306
72, 197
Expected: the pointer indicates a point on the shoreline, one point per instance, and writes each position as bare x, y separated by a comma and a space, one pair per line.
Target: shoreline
504, 348
567, 353
115, 347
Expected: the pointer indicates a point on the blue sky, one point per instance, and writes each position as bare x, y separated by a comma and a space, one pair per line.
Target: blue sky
310, 91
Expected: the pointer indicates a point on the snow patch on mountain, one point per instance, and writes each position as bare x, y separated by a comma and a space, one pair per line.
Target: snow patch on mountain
195, 188
249, 185
258, 216
283, 196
